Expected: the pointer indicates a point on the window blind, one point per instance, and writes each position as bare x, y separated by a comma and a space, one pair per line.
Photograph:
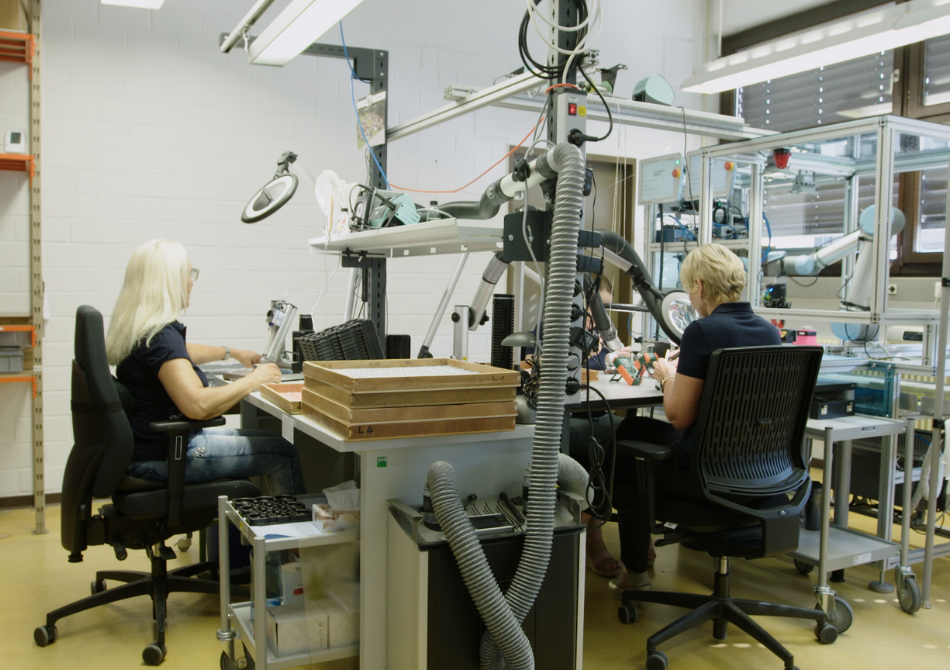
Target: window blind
937, 71
850, 90
933, 211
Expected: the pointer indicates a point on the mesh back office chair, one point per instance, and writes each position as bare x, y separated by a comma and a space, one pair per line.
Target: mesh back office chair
748, 463
142, 514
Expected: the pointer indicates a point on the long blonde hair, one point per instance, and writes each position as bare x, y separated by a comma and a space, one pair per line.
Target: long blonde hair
154, 294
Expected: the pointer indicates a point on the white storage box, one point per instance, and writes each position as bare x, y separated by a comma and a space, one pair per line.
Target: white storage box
344, 626
298, 628
291, 582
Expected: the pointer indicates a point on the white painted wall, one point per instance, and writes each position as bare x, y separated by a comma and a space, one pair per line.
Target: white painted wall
150, 132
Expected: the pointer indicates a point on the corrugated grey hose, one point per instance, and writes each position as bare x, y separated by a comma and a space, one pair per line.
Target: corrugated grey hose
503, 614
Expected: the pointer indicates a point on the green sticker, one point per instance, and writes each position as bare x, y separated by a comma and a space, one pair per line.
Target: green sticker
382, 461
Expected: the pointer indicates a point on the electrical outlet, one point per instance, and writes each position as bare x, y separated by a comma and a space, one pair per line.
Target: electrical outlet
936, 289
892, 289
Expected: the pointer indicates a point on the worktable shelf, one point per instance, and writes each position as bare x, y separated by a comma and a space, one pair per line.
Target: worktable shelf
846, 548
426, 238
16, 47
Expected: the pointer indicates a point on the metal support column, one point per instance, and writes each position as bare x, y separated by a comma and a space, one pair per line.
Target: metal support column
37, 287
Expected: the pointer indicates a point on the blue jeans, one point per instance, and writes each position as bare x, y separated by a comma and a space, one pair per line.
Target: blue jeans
227, 453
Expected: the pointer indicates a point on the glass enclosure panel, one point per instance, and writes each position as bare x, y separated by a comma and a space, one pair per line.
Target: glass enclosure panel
854, 89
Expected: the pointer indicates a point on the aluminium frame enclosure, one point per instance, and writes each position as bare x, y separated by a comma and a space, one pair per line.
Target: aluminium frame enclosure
883, 165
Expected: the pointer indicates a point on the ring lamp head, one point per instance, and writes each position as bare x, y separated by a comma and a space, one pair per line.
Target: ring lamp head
274, 194
676, 313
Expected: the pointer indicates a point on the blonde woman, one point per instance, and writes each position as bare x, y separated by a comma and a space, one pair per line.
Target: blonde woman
146, 342
714, 278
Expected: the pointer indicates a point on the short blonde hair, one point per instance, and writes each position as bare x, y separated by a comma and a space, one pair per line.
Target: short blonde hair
153, 295
721, 272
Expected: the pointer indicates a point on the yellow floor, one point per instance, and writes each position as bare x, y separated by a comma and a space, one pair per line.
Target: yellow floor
35, 577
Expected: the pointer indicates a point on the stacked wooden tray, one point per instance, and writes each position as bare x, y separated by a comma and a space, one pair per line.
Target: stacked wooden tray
385, 399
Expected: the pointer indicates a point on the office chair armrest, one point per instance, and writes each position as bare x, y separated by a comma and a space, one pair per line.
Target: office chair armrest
184, 426
177, 432
646, 451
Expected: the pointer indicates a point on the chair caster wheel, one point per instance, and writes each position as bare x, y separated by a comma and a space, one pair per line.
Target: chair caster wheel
154, 654
184, 544
826, 633
97, 587
627, 614
44, 635
803, 568
657, 661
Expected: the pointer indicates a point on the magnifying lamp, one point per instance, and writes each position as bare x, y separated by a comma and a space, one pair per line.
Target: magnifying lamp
274, 194
675, 313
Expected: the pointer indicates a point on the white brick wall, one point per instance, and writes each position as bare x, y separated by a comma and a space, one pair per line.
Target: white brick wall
150, 132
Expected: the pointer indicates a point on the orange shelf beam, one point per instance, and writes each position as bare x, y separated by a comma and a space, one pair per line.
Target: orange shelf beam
19, 163
21, 329
17, 47
12, 377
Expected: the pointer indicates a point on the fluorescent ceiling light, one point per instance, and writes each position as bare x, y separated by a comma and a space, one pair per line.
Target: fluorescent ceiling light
297, 27
878, 30
144, 4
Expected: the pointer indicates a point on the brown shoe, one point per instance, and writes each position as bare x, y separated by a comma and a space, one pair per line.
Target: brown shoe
629, 581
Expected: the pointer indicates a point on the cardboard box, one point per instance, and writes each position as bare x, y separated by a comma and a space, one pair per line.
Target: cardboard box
344, 626
298, 628
13, 16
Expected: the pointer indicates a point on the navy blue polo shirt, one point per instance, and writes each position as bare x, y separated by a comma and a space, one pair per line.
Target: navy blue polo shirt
139, 373
732, 324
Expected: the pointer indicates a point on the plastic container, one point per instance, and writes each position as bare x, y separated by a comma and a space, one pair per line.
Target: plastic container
11, 359
807, 336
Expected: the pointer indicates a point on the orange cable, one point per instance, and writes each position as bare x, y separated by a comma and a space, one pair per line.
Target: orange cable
413, 190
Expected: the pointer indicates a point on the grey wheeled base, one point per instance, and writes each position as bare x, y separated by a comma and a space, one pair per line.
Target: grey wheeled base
722, 609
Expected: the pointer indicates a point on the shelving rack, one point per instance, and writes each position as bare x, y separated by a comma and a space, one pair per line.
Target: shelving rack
25, 48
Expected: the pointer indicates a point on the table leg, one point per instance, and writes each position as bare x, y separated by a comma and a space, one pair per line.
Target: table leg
885, 508
824, 593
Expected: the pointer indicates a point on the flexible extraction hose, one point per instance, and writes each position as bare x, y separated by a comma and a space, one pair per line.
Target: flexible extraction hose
503, 614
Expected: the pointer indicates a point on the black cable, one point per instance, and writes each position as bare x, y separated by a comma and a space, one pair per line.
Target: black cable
600, 95
609, 489
804, 285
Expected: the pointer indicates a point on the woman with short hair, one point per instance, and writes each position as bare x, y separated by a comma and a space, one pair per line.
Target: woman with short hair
714, 278
146, 342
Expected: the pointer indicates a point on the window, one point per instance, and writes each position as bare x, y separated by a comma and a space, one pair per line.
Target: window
851, 90
936, 75
932, 216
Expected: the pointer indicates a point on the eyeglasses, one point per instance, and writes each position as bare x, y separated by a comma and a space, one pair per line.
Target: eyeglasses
193, 273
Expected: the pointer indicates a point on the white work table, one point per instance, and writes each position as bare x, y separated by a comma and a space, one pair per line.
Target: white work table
486, 463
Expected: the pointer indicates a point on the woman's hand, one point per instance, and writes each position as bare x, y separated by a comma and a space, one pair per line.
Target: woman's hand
246, 357
268, 373
662, 369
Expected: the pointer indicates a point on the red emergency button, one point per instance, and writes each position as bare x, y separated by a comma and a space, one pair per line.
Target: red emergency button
572, 108
676, 173
729, 165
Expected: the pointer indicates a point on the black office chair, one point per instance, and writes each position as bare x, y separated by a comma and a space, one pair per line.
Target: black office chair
749, 465
142, 514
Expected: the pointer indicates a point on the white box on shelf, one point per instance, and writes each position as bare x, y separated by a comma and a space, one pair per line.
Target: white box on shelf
297, 628
344, 626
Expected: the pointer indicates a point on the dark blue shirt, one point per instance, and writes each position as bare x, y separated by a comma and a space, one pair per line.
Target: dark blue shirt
732, 324
139, 373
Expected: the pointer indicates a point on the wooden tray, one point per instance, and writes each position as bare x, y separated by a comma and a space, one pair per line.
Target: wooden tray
385, 399
349, 415
387, 431
477, 376
286, 396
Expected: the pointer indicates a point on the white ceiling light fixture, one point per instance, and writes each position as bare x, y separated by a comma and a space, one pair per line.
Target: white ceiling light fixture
878, 30
144, 4
301, 24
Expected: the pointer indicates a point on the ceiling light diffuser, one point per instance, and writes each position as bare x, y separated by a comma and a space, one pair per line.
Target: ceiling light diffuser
301, 24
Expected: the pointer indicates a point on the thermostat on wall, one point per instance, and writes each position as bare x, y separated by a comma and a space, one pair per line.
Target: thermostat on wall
15, 142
